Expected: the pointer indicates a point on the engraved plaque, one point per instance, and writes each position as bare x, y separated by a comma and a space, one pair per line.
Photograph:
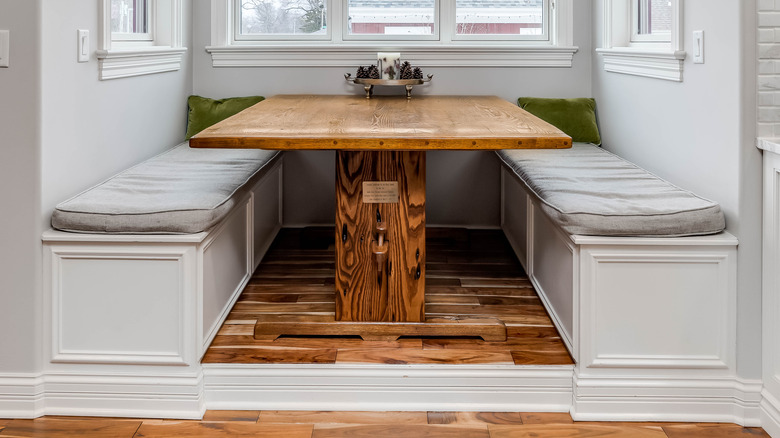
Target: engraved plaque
380, 192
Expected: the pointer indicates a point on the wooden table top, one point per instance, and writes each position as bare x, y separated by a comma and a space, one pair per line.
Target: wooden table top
352, 122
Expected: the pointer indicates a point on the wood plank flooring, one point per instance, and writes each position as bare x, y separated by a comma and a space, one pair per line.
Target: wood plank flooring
304, 424
468, 273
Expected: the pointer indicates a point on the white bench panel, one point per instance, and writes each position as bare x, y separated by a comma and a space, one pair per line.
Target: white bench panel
226, 268
552, 271
121, 304
267, 206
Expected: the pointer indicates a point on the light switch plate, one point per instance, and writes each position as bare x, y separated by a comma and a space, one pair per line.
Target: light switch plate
83, 45
5, 47
698, 47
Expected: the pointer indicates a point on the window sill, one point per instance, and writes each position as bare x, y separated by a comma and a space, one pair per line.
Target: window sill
658, 64
137, 61
427, 56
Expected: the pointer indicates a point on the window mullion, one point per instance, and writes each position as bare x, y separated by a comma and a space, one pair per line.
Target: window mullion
337, 15
446, 22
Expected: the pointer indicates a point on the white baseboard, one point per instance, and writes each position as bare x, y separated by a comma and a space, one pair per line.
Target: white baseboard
102, 395
687, 400
144, 396
21, 395
770, 414
388, 387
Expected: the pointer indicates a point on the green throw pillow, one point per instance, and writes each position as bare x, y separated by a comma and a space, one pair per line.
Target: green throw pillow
204, 112
575, 117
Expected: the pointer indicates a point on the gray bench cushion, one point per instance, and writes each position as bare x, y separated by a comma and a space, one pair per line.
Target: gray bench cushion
182, 190
589, 191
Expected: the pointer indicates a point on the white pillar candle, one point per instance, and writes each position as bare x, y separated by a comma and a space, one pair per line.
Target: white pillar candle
390, 64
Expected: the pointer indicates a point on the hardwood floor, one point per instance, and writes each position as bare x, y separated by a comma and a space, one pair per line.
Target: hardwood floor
294, 424
468, 273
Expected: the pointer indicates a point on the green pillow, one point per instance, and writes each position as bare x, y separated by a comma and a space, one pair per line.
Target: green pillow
575, 117
204, 112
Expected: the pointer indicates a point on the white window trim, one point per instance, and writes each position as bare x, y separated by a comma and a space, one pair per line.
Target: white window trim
121, 59
650, 59
227, 52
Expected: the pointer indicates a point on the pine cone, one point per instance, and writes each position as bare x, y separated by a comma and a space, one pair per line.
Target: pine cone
373, 72
406, 70
417, 74
362, 72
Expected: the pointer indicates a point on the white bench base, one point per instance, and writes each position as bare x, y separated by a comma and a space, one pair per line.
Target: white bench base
129, 317
650, 322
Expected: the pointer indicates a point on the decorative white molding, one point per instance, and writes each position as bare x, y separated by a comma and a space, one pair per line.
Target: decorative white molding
665, 65
652, 60
388, 387
115, 64
140, 394
687, 277
63, 281
646, 398
425, 56
769, 145
770, 413
118, 59
770, 306
21, 395
226, 51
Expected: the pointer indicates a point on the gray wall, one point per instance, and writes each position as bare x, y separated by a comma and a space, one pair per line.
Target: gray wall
700, 135
463, 187
61, 131
93, 129
20, 194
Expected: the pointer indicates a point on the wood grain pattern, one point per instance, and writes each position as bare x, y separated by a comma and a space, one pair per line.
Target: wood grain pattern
223, 429
392, 430
386, 123
546, 418
712, 431
407, 356
529, 329
575, 431
363, 291
231, 416
365, 424
62, 428
270, 327
265, 355
474, 418
343, 417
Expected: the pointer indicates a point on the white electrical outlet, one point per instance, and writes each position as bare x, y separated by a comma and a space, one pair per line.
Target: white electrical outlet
698, 47
83, 45
5, 47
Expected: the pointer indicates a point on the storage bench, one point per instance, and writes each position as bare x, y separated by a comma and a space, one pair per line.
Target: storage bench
159, 255
638, 277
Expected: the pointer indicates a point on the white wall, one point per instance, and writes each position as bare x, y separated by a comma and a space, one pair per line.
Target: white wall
20, 231
92, 129
700, 135
463, 187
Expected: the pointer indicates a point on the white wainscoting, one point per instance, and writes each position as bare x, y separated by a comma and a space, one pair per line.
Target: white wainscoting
650, 322
770, 406
129, 317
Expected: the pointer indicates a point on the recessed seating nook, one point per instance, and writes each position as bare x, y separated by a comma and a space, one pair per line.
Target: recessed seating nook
603, 280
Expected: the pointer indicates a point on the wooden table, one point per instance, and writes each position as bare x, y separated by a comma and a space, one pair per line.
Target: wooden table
380, 194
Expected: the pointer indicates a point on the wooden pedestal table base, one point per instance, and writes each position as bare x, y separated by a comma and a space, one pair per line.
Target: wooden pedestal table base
380, 257
270, 327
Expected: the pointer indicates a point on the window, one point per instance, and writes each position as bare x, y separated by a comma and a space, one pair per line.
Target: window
643, 38
427, 32
651, 21
139, 37
130, 20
